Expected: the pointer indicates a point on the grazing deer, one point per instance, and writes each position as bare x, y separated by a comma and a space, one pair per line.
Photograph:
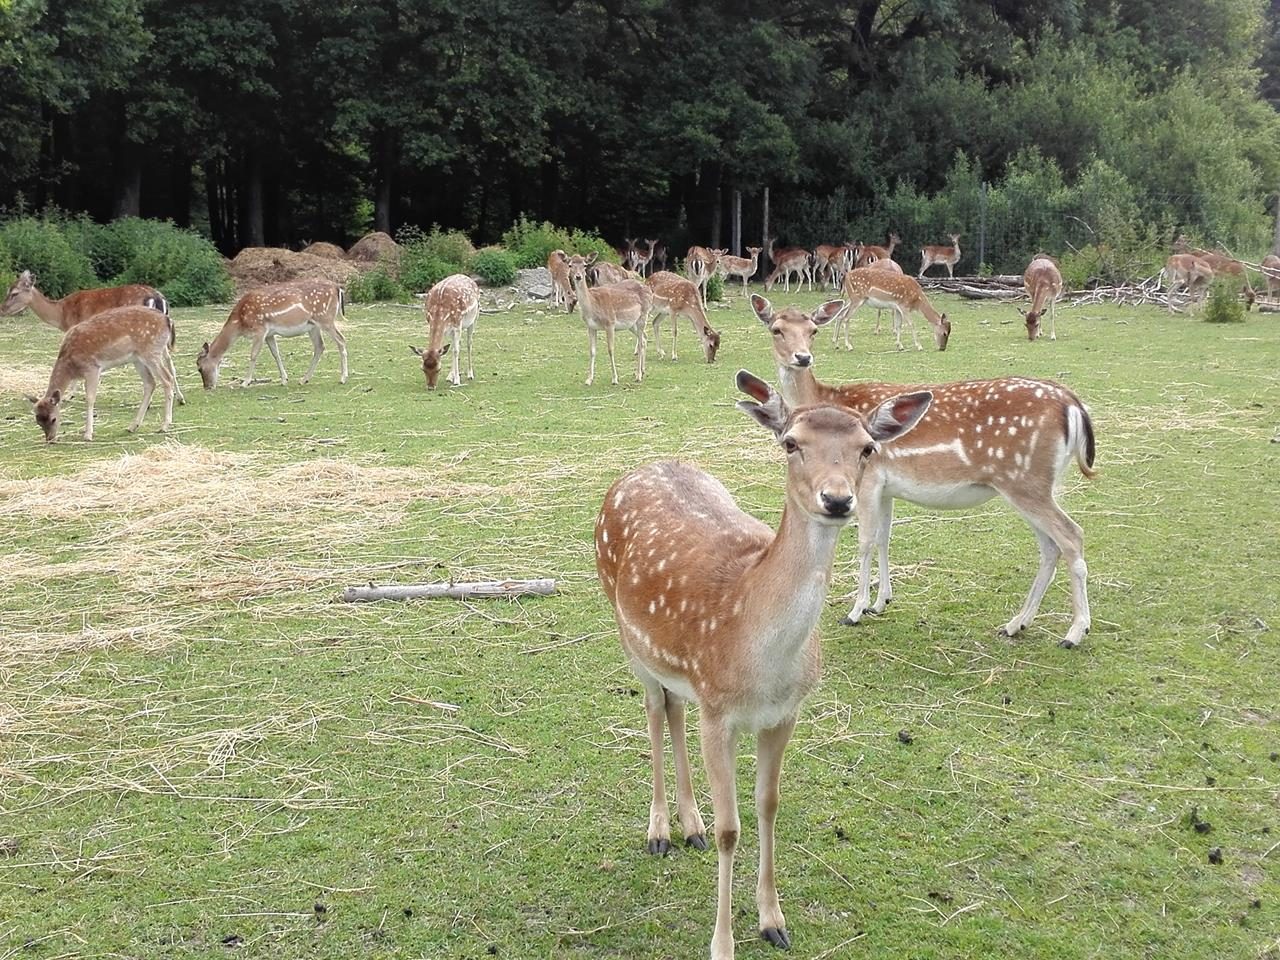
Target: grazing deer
74, 307
612, 307
1189, 270
1043, 282
1221, 264
870, 253
1271, 273
1013, 437
561, 291
947, 256
736, 632
674, 296
744, 267
842, 321
138, 335
452, 306
882, 287
281, 310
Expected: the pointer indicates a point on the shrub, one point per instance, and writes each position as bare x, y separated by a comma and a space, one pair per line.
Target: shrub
181, 264
715, 287
420, 274
494, 266
41, 247
427, 258
378, 284
1224, 304
531, 243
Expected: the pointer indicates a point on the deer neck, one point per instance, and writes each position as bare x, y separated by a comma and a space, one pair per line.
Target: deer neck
800, 388
50, 311
437, 335
220, 344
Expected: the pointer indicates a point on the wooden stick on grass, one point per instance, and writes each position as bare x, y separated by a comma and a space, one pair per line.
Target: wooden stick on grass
453, 591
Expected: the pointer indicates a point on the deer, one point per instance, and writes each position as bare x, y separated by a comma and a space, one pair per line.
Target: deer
626, 253
947, 256
603, 271
674, 296
1043, 282
744, 267
1189, 270
786, 261
842, 322
280, 310
828, 263
1012, 437
75, 307
561, 291
659, 259
736, 633
640, 259
134, 334
612, 307
1271, 273
870, 253
1221, 264
880, 286
699, 264
451, 307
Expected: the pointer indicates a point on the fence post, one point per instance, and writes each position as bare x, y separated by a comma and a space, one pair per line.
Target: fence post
735, 231
1275, 239
982, 226
764, 242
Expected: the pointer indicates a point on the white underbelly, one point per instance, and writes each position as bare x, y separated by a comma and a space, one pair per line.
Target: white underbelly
290, 329
939, 496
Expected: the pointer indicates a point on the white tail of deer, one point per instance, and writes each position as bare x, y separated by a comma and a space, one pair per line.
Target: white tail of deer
1043, 282
883, 287
674, 296
1013, 437
282, 310
137, 335
947, 256
452, 306
713, 606
612, 307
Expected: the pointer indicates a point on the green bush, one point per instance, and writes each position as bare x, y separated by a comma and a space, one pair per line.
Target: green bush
531, 243
40, 246
420, 274
715, 287
427, 258
495, 267
1224, 304
376, 285
181, 264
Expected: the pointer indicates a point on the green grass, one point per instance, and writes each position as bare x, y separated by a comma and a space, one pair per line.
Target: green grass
197, 743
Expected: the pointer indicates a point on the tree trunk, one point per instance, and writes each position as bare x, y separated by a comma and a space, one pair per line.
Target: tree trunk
251, 234
764, 233
180, 189
384, 171
128, 180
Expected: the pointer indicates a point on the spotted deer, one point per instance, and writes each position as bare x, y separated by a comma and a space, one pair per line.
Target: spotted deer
788, 261
137, 335
743, 267
451, 307
1012, 437
602, 271
943, 255
882, 287
870, 252
828, 263
281, 310
842, 321
700, 263
74, 307
611, 307
713, 606
1186, 269
674, 296
1043, 282
561, 291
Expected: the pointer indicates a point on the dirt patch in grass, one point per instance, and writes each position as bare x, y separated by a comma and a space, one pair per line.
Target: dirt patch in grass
19, 378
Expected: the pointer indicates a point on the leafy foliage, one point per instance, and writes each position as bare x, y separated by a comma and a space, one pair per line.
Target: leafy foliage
40, 245
1224, 304
495, 267
376, 285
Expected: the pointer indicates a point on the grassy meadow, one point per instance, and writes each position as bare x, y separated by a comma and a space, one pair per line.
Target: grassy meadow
200, 749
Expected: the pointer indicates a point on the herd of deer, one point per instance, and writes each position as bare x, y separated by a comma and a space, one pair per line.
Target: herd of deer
1192, 269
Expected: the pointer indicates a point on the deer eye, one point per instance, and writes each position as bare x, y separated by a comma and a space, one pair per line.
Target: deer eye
868, 450
790, 445
776, 332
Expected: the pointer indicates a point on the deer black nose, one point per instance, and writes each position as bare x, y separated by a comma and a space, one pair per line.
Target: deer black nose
837, 506
803, 359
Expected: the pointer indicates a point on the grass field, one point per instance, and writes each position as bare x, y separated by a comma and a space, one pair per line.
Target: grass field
200, 749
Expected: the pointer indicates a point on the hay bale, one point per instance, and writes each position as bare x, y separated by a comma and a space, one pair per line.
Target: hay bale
329, 251
375, 247
255, 267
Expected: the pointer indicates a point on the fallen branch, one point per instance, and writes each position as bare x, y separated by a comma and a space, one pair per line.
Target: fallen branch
453, 591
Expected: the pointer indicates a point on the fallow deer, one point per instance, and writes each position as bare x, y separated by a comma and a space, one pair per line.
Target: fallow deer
659, 259
842, 321
1013, 437
281, 310
870, 252
1271, 273
700, 263
1222, 265
1043, 282
882, 287
561, 291
74, 307
947, 256
452, 306
787, 261
138, 335
602, 271
675, 296
1186, 269
612, 307
828, 263
743, 267
735, 632
641, 258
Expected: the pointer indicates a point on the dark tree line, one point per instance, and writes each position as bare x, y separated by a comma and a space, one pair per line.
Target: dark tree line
278, 121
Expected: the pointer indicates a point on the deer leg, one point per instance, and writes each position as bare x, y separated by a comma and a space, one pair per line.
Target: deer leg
317, 350
718, 751
90, 393
675, 330
876, 331
657, 336
771, 743
591, 339
258, 340
275, 353
1049, 554
340, 342
471, 370
170, 384
455, 374
909, 316
641, 360
173, 376
608, 342
884, 589
695, 831
1053, 315
868, 528
148, 388
655, 708
1049, 520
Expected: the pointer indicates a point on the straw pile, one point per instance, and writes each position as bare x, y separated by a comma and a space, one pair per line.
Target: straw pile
255, 267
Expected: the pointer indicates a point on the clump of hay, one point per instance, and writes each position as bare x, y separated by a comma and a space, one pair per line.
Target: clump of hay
376, 247
326, 251
19, 379
255, 267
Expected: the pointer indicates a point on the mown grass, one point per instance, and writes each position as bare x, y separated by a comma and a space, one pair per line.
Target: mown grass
200, 749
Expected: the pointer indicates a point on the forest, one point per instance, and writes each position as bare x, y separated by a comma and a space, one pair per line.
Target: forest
283, 122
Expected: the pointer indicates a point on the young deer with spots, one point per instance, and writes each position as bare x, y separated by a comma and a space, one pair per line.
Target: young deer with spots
1011, 437
882, 287
1043, 282
611, 307
282, 310
947, 255
742, 267
713, 606
675, 296
842, 321
452, 306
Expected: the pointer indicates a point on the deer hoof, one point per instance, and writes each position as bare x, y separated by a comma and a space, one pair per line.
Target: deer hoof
660, 847
777, 936
848, 620
698, 841
1068, 644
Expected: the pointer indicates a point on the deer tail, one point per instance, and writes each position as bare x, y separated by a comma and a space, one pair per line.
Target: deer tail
1080, 439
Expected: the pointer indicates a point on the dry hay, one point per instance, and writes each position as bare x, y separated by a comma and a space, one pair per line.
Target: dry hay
19, 379
255, 267
327, 251
375, 247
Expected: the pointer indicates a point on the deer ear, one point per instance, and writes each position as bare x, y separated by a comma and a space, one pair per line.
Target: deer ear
26, 279
763, 309
416, 350
444, 349
770, 411
898, 415
56, 397
32, 397
827, 312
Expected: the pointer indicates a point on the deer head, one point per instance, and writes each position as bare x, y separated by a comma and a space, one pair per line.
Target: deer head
19, 295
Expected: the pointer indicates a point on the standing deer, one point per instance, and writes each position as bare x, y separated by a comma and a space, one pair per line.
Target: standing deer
842, 321
602, 271
947, 256
561, 291
1012, 437
736, 631
882, 287
786, 261
744, 267
612, 307
1221, 264
281, 310
828, 263
674, 296
452, 306
1043, 282
1271, 273
137, 335
870, 253
1189, 270
699, 264
659, 259
640, 259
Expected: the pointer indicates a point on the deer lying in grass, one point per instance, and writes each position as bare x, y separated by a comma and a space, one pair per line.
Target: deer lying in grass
137, 335
452, 306
281, 310
1012, 437
612, 307
947, 255
674, 296
736, 632
883, 287
1043, 282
